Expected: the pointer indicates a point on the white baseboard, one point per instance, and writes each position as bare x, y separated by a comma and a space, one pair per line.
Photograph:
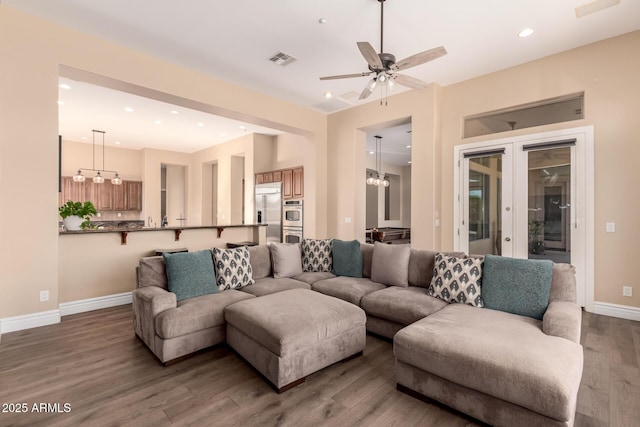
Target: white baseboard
28, 321
616, 310
43, 318
81, 306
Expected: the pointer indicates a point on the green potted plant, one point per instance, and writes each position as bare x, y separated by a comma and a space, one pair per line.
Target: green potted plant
76, 215
537, 244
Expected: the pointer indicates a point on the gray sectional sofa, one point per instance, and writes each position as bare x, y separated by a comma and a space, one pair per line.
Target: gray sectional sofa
501, 368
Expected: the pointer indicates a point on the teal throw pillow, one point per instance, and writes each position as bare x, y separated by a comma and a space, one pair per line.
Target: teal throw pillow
190, 274
347, 258
518, 286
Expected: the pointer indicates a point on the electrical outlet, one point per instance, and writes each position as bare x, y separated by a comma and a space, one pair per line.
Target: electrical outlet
627, 291
119, 215
44, 296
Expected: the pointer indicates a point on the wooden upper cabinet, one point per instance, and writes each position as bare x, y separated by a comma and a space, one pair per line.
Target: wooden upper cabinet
105, 196
287, 184
120, 197
298, 183
133, 194
259, 178
277, 176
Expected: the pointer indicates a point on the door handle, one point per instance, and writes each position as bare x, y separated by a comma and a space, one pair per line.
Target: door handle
507, 239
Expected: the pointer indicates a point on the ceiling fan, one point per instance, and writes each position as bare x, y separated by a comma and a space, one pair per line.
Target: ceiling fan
384, 65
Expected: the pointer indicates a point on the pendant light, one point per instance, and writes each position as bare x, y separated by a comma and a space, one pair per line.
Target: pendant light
98, 178
379, 178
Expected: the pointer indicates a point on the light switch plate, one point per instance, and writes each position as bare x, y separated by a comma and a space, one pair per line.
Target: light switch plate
611, 227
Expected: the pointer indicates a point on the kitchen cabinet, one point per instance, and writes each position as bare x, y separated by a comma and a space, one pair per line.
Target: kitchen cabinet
287, 184
133, 195
292, 181
105, 196
298, 183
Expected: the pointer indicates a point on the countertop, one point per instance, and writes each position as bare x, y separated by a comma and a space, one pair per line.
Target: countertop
138, 228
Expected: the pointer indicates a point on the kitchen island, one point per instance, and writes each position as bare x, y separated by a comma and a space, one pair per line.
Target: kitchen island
99, 265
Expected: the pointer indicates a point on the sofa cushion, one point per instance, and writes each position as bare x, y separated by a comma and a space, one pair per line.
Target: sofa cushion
401, 305
260, 258
190, 274
350, 289
457, 280
316, 255
270, 285
233, 268
563, 283
152, 272
500, 354
390, 264
312, 277
347, 258
367, 257
287, 259
196, 314
518, 286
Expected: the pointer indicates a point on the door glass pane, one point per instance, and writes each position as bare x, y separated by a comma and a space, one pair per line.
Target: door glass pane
484, 205
549, 205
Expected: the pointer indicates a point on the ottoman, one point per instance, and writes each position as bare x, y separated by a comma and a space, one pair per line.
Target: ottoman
288, 335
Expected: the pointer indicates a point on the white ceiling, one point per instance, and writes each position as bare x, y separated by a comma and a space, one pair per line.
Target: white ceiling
233, 41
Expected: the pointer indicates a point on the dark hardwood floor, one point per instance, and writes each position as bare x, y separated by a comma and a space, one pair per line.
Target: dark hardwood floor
93, 363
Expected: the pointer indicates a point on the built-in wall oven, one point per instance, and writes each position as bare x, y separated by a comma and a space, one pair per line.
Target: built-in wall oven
292, 213
292, 221
292, 234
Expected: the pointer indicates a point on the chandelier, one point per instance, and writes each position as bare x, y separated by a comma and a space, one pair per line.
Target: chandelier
98, 178
379, 178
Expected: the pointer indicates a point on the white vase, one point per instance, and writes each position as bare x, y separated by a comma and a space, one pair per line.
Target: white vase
72, 223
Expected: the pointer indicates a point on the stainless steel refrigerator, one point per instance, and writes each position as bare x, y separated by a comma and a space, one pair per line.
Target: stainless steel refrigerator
269, 209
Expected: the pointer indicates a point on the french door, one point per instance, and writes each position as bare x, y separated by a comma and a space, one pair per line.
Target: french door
529, 197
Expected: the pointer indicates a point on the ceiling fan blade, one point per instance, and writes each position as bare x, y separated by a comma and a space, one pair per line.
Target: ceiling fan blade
419, 58
370, 55
409, 81
368, 90
346, 76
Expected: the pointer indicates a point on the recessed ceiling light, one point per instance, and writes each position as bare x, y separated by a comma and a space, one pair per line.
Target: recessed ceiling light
372, 152
200, 124
84, 138
322, 21
128, 109
525, 33
244, 128
158, 122
65, 86
60, 103
408, 146
173, 112
409, 162
116, 142
328, 94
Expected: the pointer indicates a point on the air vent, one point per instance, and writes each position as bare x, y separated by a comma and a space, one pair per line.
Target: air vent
282, 59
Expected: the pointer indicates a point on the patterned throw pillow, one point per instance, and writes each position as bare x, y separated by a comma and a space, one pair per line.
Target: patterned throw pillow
316, 255
233, 270
457, 279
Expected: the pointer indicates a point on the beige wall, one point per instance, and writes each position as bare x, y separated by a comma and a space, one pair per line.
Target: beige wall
31, 53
